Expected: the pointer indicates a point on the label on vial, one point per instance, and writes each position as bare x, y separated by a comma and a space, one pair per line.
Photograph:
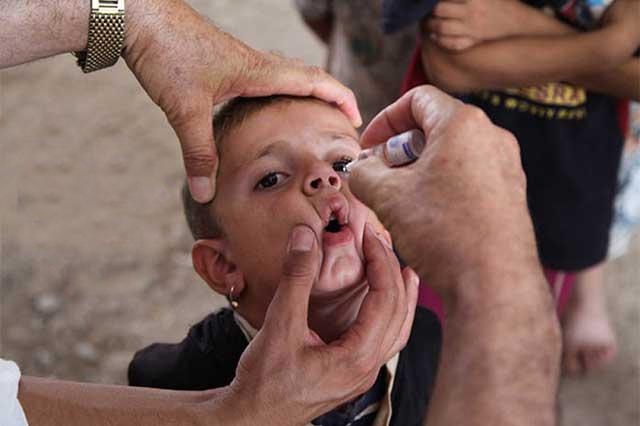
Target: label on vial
400, 149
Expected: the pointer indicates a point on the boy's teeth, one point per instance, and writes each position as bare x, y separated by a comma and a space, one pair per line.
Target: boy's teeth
338, 216
344, 220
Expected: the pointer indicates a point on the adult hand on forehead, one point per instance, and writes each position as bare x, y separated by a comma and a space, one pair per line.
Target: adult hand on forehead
462, 205
289, 372
187, 65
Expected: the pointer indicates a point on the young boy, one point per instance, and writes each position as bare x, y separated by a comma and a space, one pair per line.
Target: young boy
555, 87
282, 163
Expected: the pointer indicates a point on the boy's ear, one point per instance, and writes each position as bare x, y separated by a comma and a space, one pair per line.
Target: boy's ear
212, 262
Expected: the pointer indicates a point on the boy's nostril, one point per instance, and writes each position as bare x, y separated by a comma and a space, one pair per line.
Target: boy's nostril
315, 184
333, 181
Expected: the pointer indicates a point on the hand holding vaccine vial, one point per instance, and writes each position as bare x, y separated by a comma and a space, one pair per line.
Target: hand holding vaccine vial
397, 151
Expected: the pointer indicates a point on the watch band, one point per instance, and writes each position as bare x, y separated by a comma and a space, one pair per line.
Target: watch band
106, 35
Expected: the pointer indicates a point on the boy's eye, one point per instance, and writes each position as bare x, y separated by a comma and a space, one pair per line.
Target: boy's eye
340, 165
269, 180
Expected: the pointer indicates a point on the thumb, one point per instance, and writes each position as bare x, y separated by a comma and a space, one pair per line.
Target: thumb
289, 308
199, 153
367, 179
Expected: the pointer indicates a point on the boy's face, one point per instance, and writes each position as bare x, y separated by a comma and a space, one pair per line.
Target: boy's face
283, 167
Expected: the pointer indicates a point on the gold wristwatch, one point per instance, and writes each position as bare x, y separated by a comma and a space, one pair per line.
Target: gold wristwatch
106, 35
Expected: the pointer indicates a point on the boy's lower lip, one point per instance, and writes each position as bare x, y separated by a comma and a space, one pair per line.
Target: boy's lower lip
330, 239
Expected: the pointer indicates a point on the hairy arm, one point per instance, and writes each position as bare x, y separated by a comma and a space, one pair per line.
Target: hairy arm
500, 356
35, 29
501, 351
52, 402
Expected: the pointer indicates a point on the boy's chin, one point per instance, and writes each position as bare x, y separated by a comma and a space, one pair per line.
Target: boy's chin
340, 277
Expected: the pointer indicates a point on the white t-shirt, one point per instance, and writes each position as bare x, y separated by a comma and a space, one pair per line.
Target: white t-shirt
11, 413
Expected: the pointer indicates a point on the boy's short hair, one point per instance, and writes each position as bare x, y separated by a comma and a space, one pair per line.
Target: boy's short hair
200, 218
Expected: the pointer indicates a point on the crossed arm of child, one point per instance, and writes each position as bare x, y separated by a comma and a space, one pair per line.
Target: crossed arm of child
492, 44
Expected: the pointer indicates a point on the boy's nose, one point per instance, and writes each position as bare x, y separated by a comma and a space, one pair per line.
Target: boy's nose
321, 178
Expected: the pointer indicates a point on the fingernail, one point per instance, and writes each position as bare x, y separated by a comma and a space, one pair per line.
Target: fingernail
415, 279
384, 241
368, 228
301, 239
358, 121
201, 188
387, 242
379, 236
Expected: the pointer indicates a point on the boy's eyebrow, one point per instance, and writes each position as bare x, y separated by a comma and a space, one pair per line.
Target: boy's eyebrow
345, 136
268, 150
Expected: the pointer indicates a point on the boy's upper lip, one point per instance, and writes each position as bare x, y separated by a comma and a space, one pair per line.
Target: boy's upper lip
335, 206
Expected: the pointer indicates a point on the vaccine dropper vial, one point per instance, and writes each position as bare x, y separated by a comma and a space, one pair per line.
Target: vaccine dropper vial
397, 150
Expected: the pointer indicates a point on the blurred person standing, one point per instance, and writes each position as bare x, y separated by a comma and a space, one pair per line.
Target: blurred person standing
555, 83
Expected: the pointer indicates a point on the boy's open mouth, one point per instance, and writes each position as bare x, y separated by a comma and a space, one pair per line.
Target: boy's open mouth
336, 230
334, 225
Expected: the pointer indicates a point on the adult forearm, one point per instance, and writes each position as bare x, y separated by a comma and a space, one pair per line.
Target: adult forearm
507, 62
501, 354
53, 402
34, 29
501, 350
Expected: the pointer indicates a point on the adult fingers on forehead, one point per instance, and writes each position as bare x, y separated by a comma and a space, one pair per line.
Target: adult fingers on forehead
273, 75
193, 128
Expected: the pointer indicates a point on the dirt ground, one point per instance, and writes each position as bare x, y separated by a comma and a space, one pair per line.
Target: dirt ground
94, 254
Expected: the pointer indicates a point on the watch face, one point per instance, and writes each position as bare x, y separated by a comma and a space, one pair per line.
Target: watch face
108, 6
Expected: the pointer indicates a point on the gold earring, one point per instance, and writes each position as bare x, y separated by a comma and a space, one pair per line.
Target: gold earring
231, 298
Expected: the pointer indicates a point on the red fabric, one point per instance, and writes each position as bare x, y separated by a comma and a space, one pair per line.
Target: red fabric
560, 284
415, 75
623, 117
